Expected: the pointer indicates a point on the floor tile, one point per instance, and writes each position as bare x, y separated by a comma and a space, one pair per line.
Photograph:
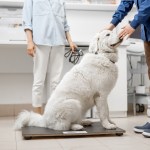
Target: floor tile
38, 144
7, 132
81, 144
7, 145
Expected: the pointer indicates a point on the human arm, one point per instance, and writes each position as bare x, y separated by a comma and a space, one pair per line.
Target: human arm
122, 10
30, 43
68, 36
143, 14
140, 18
27, 24
73, 46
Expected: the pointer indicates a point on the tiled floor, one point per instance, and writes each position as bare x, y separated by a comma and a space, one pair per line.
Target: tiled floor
12, 140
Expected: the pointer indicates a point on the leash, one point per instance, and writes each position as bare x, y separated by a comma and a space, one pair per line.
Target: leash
74, 56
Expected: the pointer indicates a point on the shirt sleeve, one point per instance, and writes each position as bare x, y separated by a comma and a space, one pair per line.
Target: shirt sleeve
66, 26
143, 14
122, 10
27, 14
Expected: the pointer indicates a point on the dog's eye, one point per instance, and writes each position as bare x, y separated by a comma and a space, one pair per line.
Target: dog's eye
108, 34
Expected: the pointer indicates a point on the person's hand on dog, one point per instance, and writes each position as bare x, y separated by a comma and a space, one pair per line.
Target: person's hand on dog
31, 48
126, 31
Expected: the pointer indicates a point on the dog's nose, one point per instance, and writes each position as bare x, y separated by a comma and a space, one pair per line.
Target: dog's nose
96, 53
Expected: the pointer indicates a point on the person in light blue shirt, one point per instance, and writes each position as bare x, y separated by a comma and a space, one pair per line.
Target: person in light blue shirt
47, 30
141, 18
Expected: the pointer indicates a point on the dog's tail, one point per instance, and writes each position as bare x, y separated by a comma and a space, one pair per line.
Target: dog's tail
27, 118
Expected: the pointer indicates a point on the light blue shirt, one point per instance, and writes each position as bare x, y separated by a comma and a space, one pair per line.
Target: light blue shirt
47, 20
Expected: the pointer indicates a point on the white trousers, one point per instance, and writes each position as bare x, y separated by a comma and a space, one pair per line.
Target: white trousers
48, 65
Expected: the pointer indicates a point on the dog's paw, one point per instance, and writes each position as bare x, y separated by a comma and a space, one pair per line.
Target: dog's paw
110, 121
86, 122
109, 126
76, 127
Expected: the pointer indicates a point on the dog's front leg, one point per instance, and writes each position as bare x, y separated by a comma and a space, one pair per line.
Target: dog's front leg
108, 114
103, 112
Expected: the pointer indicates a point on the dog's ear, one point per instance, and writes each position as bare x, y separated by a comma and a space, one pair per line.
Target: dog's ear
93, 44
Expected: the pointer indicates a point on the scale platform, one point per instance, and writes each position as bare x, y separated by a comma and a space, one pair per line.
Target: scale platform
95, 129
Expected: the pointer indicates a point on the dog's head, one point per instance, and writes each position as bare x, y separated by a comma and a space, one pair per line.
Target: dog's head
104, 42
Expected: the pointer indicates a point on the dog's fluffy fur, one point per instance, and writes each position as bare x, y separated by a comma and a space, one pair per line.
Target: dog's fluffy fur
87, 84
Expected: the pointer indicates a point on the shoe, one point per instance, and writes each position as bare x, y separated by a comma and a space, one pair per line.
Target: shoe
146, 133
141, 129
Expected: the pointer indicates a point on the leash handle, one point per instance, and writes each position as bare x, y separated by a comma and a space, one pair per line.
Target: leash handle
74, 56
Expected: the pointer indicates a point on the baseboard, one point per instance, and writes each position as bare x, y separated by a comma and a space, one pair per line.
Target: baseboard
113, 114
13, 109
118, 114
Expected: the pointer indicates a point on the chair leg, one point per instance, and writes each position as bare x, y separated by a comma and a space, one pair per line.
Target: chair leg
91, 113
148, 107
134, 104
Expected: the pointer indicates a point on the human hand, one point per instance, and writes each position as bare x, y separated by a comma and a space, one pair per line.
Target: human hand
73, 46
31, 48
126, 31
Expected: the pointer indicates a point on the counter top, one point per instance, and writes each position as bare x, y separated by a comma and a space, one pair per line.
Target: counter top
11, 3
13, 42
23, 42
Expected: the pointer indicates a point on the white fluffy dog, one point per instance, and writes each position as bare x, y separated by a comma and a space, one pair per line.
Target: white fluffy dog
87, 84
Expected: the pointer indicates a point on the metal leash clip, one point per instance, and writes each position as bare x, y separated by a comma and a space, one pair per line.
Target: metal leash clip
74, 56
